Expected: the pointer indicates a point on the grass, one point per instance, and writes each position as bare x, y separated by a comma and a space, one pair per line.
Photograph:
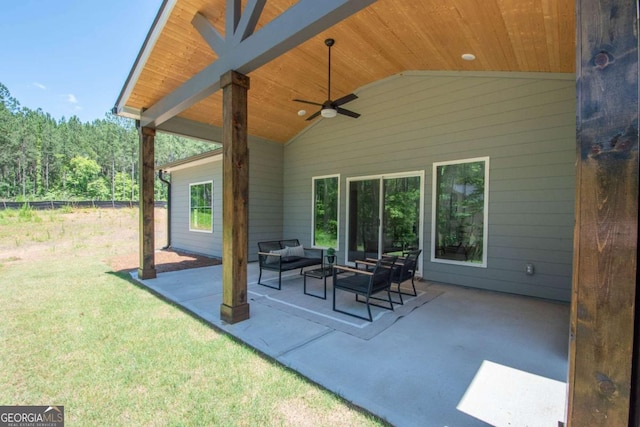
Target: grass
77, 334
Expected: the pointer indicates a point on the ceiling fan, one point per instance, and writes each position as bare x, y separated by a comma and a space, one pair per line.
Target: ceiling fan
331, 108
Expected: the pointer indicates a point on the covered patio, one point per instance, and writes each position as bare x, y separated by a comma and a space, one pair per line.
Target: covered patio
201, 57
464, 358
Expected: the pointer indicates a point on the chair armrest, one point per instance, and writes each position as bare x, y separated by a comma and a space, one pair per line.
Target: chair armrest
373, 264
265, 259
352, 270
269, 254
373, 261
367, 264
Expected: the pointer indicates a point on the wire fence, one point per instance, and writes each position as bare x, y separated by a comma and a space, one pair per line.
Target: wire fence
74, 204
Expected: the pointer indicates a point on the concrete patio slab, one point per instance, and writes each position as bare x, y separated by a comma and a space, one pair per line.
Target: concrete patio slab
467, 358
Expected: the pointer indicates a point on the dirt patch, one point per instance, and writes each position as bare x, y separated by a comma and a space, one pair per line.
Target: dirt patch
108, 234
166, 260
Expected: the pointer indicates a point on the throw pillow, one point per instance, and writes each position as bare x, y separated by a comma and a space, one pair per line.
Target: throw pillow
296, 251
275, 259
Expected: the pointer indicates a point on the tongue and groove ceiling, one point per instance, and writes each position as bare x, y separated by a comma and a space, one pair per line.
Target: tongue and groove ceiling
386, 38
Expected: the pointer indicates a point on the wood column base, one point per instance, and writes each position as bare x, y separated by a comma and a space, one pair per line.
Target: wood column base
149, 273
234, 314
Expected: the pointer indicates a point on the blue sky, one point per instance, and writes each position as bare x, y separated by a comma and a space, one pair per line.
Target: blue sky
71, 57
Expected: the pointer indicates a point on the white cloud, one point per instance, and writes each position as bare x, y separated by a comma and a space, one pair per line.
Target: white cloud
40, 85
72, 98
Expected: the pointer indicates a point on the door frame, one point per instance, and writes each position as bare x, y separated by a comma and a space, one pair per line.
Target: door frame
381, 177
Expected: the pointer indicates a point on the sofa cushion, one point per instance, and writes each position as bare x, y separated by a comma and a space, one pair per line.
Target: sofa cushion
300, 263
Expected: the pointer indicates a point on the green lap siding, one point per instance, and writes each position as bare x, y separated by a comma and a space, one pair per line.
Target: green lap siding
525, 123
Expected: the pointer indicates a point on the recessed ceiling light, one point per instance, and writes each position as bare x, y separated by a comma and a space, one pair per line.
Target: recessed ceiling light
302, 112
468, 56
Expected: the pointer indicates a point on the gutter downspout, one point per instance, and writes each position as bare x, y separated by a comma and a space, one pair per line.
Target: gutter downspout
168, 208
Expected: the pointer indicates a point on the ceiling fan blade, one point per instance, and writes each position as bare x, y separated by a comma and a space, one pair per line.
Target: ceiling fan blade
313, 116
348, 113
308, 102
329, 107
345, 99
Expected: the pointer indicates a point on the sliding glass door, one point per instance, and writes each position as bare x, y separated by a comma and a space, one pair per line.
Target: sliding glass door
364, 219
401, 217
384, 215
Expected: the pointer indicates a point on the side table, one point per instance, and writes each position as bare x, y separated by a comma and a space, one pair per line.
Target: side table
318, 273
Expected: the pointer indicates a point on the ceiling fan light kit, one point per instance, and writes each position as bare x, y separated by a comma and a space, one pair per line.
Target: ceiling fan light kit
329, 108
328, 113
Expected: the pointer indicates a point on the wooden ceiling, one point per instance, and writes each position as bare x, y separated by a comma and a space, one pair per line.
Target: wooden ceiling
382, 40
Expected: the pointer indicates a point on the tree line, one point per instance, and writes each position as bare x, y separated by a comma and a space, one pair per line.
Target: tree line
42, 158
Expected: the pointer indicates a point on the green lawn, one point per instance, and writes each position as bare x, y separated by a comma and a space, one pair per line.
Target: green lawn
77, 334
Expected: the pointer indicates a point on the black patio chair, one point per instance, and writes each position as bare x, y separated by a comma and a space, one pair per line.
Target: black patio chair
404, 270
365, 283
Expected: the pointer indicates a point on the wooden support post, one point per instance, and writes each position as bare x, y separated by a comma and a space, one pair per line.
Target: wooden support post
235, 198
147, 269
603, 308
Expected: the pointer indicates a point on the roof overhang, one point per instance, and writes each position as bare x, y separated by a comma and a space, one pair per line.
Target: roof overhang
189, 162
154, 33
279, 44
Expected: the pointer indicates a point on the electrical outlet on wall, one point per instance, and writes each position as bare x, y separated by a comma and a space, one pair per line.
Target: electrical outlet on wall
529, 269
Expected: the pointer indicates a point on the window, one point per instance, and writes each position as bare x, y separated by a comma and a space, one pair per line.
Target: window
326, 194
460, 211
201, 207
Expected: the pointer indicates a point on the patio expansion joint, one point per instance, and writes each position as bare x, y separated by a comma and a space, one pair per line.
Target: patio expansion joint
197, 297
305, 343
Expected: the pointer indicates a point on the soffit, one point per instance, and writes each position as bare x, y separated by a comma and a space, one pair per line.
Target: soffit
387, 38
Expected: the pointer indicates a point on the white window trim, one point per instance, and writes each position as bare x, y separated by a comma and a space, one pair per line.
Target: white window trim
485, 227
191, 184
382, 177
313, 213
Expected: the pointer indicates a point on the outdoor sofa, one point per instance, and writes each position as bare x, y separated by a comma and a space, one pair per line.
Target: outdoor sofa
286, 255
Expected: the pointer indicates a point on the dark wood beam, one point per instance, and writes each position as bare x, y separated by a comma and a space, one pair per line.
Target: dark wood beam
235, 198
297, 24
603, 308
147, 269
